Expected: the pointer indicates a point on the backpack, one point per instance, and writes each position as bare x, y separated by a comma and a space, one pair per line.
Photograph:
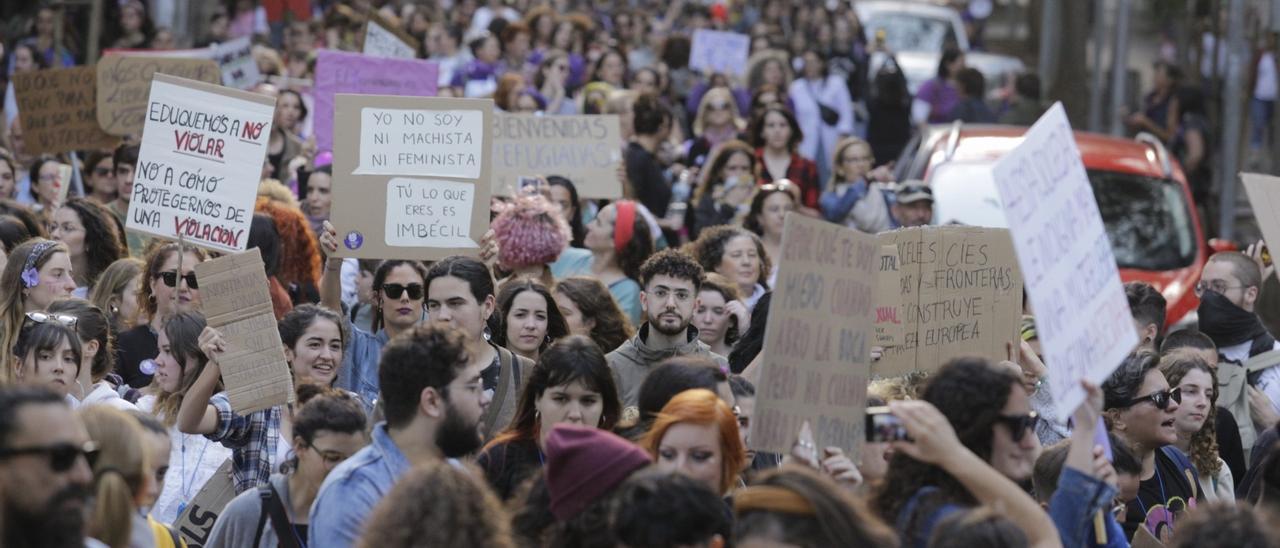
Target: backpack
1233, 396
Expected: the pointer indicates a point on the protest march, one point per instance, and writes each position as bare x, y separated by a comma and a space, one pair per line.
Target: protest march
557, 273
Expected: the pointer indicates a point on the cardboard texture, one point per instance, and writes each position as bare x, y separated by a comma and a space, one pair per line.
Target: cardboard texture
200, 162
342, 72
382, 39
1082, 315
197, 519
63, 184
59, 110
237, 302
957, 292
585, 149
234, 59
816, 356
890, 327
411, 176
1264, 198
124, 81
719, 51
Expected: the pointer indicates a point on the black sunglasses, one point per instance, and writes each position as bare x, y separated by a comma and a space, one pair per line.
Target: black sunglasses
61, 456
171, 279
1160, 399
1019, 424
394, 291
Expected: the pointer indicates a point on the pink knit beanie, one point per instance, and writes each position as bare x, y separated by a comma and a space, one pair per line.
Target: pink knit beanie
530, 231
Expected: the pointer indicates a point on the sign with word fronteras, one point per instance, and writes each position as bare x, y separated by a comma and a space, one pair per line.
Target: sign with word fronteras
411, 176
200, 163
817, 347
584, 149
1082, 315
957, 293
59, 110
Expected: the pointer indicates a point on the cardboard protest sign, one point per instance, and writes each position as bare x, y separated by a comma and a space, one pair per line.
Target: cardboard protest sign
235, 58
197, 519
890, 328
1082, 315
58, 109
1264, 198
957, 292
341, 72
585, 149
719, 51
125, 80
817, 346
382, 39
237, 301
201, 159
411, 176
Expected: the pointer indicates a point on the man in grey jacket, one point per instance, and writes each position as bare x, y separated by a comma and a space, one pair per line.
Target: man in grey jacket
669, 295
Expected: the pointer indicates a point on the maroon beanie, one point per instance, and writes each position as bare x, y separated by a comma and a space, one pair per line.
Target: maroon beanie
584, 463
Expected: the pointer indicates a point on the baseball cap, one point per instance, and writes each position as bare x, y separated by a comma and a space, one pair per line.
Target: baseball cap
913, 191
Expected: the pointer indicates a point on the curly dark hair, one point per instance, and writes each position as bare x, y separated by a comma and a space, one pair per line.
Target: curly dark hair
612, 328
839, 519
425, 356
666, 508
556, 326
103, 242
971, 393
756, 130
1124, 383
439, 504
708, 250
1204, 443
534, 525
674, 263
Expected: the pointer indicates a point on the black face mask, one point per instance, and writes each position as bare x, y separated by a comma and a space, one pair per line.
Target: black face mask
1226, 323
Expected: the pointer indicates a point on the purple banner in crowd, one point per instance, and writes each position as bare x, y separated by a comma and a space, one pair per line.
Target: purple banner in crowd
341, 72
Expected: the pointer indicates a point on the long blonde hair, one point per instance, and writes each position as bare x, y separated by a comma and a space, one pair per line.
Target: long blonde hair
12, 285
110, 289
119, 473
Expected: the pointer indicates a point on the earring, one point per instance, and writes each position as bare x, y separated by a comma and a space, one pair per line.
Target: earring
548, 339
487, 335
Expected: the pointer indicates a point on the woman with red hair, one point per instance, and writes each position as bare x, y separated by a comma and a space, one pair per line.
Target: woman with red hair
696, 434
299, 253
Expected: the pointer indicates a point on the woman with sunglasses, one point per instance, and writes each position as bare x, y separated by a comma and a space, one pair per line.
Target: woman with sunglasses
327, 428
192, 459
37, 273
1141, 409
974, 439
100, 177
717, 122
399, 288
164, 292
47, 354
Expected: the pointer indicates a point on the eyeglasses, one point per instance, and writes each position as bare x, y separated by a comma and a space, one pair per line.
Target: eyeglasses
102, 171
171, 279
681, 295
394, 291
62, 456
1019, 424
859, 159
718, 106
1160, 399
1216, 286
43, 317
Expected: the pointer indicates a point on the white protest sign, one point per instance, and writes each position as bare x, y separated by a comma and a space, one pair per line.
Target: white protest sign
429, 213
235, 58
431, 143
200, 163
718, 51
1264, 197
380, 42
1082, 314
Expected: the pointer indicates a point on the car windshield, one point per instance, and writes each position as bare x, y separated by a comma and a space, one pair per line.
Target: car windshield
1148, 220
911, 32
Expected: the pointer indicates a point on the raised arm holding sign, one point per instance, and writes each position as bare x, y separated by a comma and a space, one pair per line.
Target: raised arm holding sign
1082, 315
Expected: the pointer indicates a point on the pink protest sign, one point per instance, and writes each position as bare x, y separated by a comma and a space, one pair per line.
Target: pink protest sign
341, 72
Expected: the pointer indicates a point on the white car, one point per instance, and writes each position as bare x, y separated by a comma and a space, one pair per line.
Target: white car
917, 33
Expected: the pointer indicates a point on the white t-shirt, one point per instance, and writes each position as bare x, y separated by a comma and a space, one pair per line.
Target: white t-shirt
1266, 87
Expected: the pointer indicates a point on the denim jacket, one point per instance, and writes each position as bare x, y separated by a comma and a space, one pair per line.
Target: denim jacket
352, 489
359, 371
1078, 498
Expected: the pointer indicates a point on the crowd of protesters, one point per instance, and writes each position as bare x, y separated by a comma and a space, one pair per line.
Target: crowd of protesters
590, 377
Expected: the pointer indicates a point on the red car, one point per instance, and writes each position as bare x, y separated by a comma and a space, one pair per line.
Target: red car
1141, 191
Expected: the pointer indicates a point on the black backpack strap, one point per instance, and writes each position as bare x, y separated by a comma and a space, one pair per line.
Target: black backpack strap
285, 534
267, 494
